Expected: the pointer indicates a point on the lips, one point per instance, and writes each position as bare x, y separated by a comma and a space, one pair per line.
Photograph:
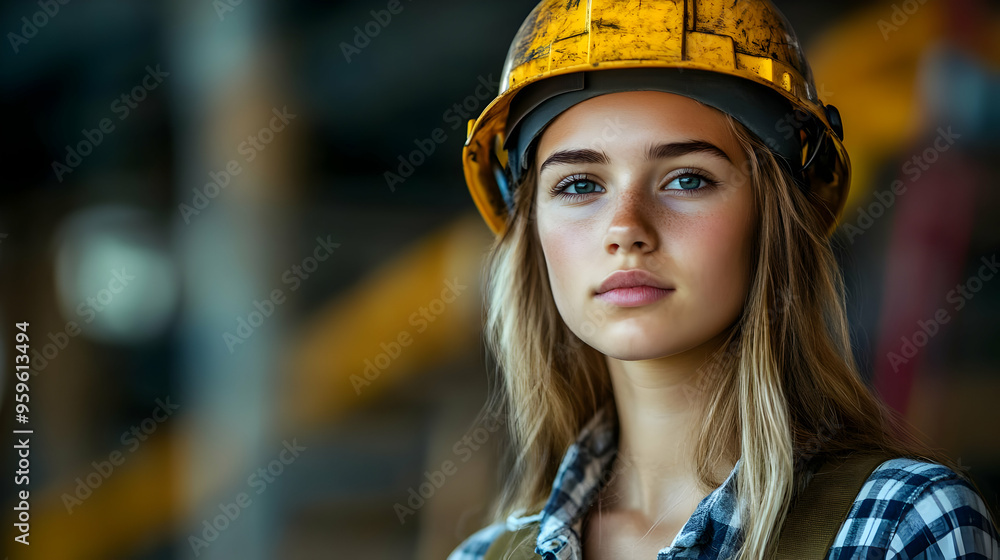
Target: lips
633, 278
632, 288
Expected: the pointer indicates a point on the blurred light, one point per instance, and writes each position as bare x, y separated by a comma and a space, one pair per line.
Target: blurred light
114, 276
960, 90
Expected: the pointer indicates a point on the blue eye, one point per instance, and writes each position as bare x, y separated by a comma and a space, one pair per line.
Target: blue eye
576, 185
689, 182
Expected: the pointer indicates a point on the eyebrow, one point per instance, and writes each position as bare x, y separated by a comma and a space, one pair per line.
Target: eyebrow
656, 151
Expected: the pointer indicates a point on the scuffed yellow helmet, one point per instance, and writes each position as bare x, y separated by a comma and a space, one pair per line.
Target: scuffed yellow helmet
741, 57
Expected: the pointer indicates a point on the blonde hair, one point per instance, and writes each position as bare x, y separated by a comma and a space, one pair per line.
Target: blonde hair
782, 391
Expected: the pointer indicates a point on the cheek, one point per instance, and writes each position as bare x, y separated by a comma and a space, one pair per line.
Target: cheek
714, 252
567, 248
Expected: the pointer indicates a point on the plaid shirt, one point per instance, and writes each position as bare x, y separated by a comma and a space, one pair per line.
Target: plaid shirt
906, 509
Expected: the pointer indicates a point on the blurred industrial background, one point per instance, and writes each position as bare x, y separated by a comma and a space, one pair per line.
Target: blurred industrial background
241, 237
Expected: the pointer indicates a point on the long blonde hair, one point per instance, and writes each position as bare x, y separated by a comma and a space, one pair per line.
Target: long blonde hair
782, 391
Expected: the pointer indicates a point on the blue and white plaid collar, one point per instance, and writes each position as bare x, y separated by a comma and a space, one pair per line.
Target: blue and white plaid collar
714, 527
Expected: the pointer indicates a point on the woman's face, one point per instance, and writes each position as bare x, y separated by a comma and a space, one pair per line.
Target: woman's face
652, 183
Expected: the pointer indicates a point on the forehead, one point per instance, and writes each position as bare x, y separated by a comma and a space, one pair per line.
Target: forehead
624, 121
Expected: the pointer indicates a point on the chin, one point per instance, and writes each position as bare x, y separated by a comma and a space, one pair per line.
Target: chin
632, 354
631, 346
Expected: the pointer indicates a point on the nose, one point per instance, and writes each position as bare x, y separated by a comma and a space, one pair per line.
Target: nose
631, 227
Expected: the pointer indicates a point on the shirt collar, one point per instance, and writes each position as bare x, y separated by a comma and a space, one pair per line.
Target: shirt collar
586, 467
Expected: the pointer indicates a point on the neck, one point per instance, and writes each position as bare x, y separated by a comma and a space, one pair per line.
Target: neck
661, 404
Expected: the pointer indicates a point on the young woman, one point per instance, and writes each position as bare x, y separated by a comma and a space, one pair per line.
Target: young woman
666, 311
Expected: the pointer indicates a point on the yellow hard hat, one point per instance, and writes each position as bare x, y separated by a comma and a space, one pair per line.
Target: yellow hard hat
741, 57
